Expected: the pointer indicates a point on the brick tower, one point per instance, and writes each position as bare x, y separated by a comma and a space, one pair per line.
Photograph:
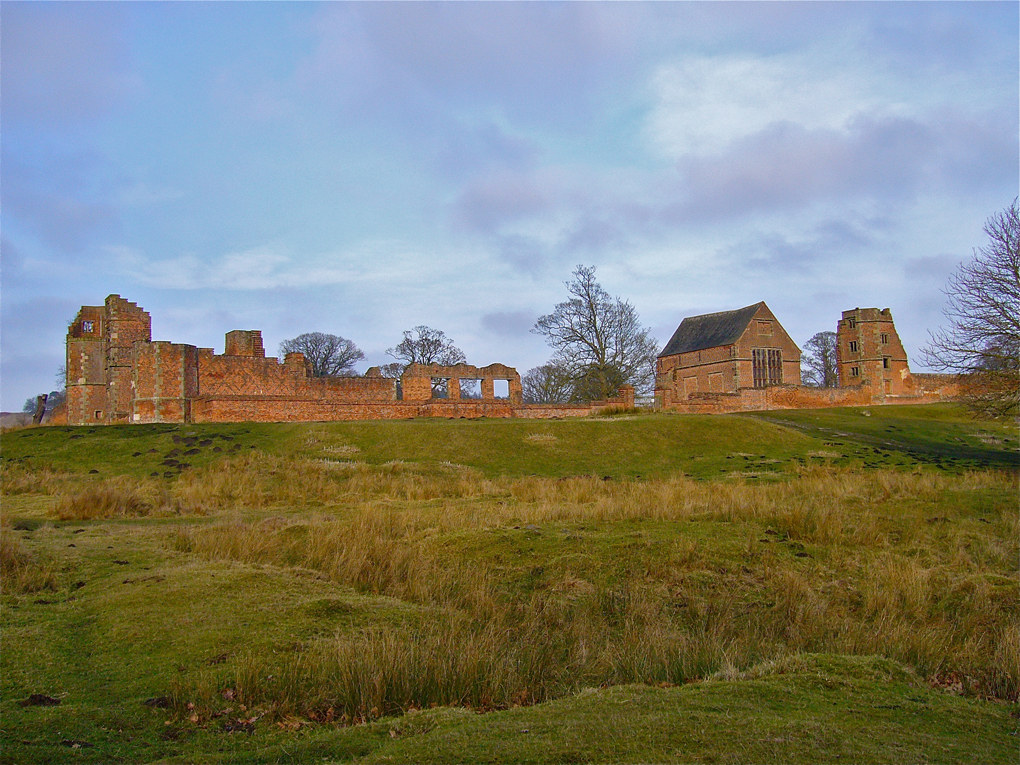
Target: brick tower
869, 352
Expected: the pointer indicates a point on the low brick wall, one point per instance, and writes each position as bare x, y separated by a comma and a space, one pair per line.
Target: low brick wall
804, 397
291, 409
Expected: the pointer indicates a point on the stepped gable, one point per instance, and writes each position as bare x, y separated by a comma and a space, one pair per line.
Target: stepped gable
710, 330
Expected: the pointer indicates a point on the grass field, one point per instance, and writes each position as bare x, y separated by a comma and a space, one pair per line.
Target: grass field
831, 585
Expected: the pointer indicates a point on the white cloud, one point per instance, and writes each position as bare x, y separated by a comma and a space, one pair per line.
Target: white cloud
702, 104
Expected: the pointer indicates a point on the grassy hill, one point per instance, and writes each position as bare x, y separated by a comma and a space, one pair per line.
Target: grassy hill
779, 587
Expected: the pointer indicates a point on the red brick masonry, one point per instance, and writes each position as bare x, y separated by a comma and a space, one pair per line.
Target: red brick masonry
117, 374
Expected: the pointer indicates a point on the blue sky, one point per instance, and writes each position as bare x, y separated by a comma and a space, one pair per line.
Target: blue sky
361, 168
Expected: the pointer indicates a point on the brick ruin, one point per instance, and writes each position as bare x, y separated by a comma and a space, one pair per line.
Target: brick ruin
116, 373
724, 362
744, 360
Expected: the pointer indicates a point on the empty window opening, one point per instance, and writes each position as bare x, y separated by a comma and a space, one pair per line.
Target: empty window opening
470, 388
855, 371
766, 367
852, 323
885, 339
501, 388
853, 346
99, 414
440, 387
87, 326
885, 363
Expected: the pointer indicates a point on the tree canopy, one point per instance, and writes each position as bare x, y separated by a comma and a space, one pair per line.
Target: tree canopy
598, 340
818, 361
424, 345
547, 384
329, 355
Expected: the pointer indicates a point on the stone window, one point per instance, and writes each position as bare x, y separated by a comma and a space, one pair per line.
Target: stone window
765, 328
470, 388
87, 326
855, 371
885, 363
852, 323
501, 388
853, 346
885, 338
766, 367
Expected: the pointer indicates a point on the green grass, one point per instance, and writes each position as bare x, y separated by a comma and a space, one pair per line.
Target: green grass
941, 435
650, 446
857, 607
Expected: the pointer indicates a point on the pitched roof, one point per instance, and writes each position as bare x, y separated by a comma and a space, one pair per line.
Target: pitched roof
709, 330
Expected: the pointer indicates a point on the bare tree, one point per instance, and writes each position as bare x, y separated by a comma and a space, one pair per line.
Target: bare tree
424, 345
982, 340
818, 361
548, 384
393, 369
599, 340
329, 355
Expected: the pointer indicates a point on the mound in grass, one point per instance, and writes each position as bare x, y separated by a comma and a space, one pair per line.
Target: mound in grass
805, 709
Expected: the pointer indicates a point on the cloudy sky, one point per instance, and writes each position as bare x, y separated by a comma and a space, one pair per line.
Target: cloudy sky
363, 168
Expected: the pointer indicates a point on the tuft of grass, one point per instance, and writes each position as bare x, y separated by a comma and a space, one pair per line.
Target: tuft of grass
22, 571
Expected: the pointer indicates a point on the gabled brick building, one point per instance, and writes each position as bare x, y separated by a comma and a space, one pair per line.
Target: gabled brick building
725, 352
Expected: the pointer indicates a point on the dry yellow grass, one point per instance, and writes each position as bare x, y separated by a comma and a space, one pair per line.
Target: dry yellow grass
20, 570
882, 585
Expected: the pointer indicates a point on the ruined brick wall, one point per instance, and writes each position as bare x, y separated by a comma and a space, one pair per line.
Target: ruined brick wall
933, 386
417, 381
775, 397
309, 410
255, 377
125, 325
100, 348
244, 342
165, 380
869, 351
85, 363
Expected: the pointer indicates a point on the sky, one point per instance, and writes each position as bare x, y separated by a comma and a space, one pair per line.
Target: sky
363, 168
